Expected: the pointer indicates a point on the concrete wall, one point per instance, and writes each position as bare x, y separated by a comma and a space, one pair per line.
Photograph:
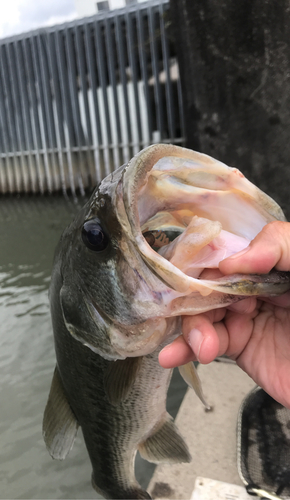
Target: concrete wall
234, 60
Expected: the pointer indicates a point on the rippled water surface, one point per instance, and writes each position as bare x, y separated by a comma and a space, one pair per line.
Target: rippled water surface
30, 229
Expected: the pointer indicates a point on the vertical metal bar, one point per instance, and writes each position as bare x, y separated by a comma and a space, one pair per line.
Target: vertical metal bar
3, 183
83, 78
80, 165
99, 161
5, 139
131, 45
19, 139
167, 83
41, 112
101, 69
43, 48
3, 172
143, 45
22, 79
124, 81
61, 64
34, 112
112, 77
10, 115
3, 178
81, 63
58, 112
155, 67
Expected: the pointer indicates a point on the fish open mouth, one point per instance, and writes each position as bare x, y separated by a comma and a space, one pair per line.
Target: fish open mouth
186, 212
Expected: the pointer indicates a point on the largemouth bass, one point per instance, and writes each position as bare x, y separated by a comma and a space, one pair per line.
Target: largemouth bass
125, 270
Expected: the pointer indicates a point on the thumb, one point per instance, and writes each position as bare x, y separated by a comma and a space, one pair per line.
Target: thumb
270, 248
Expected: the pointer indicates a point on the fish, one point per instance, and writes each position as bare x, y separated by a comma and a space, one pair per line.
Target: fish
142, 252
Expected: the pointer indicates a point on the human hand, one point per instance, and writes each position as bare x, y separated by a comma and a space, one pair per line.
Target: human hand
254, 332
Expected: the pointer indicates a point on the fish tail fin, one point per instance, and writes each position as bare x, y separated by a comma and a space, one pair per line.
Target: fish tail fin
115, 491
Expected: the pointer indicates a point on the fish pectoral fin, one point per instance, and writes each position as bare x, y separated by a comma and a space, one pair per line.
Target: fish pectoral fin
166, 445
191, 377
59, 426
120, 377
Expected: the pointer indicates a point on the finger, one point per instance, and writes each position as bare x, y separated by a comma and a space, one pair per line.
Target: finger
282, 301
202, 340
244, 306
195, 330
201, 335
240, 328
176, 354
270, 248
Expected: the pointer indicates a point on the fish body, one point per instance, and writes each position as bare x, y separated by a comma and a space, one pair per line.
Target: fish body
118, 406
125, 271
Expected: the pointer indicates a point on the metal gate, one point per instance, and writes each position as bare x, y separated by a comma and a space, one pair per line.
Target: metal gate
79, 99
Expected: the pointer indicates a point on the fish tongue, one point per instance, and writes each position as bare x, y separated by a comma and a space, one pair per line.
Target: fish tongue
221, 247
202, 245
192, 246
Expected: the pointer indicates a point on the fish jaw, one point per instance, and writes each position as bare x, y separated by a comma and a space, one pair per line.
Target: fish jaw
174, 180
146, 337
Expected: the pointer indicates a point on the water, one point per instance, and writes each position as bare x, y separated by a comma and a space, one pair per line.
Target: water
30, 229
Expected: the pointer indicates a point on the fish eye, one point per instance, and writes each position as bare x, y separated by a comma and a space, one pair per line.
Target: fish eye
93, 235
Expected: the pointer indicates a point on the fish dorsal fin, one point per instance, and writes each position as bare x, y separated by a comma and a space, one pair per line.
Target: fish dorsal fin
59, 426
190, 376
120, 377
165, 445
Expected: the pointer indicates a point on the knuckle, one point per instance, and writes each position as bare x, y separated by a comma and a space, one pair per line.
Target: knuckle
278, 236
276, 228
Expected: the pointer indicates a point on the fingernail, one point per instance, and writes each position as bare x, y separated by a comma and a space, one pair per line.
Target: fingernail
195, 340
239, 254
168, 346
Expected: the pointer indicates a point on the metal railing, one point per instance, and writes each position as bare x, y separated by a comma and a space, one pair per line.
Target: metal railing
79, 99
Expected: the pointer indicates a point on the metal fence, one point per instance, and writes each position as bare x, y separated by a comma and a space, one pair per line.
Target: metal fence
79, 99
